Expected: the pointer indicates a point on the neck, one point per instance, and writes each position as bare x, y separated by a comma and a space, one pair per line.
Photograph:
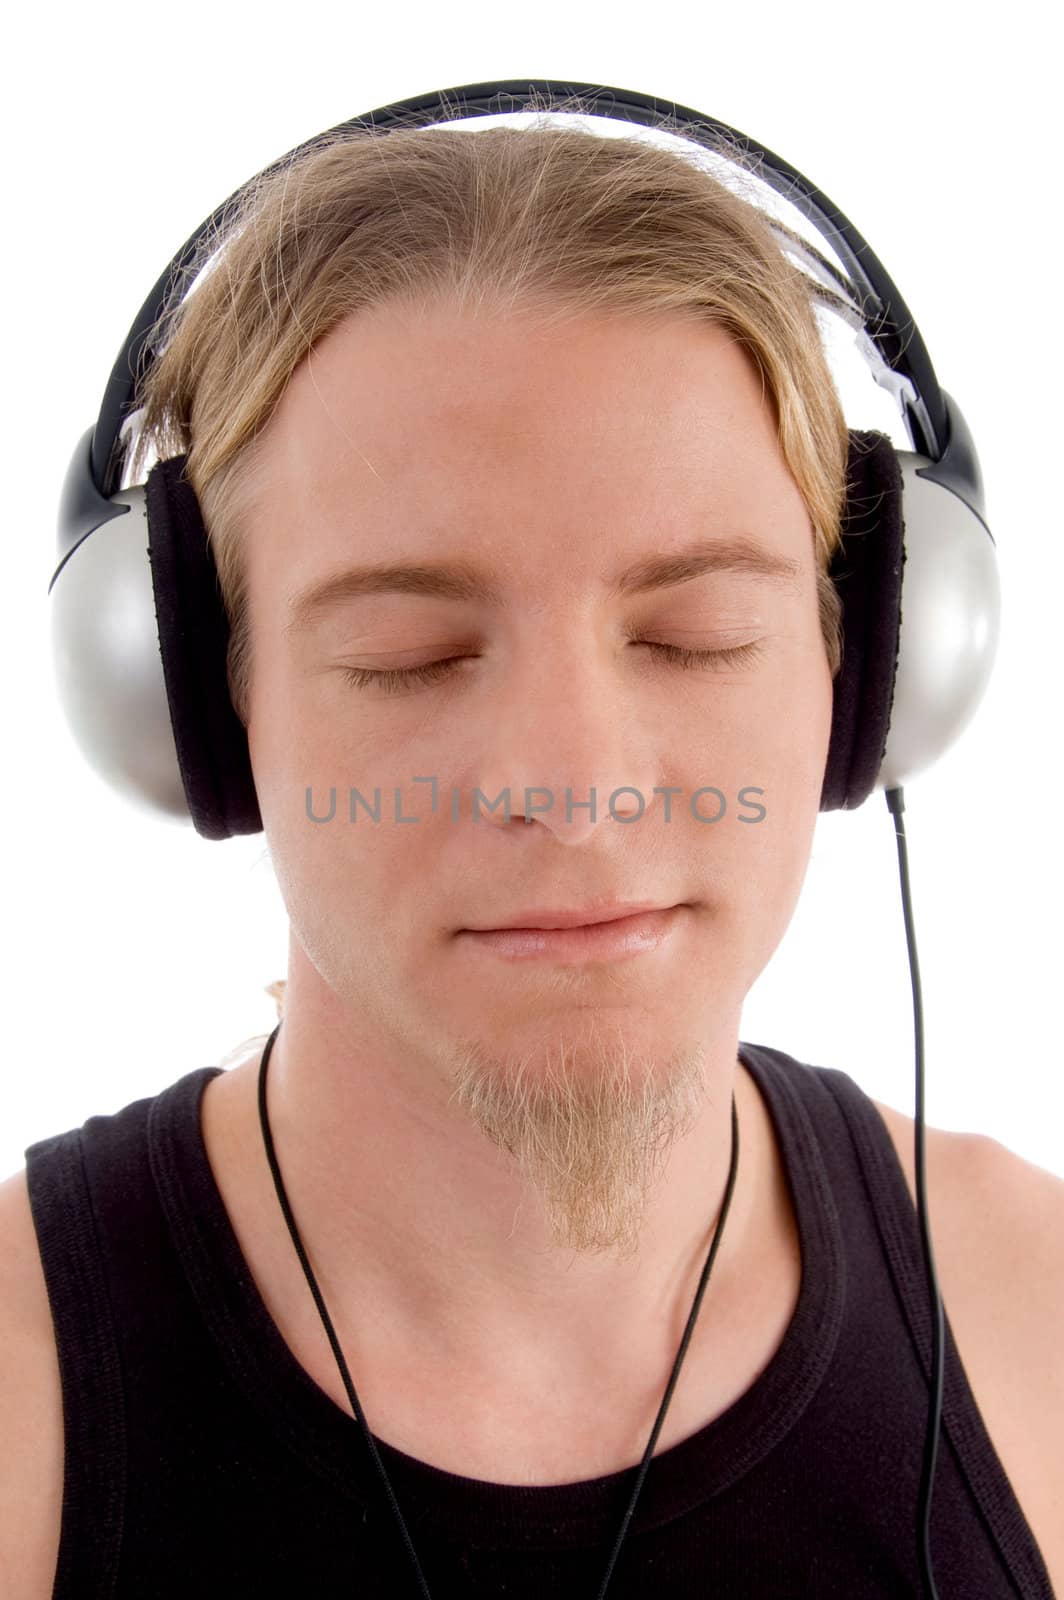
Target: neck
410, 1201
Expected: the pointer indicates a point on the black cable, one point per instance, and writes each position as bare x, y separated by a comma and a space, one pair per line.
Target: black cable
896, 805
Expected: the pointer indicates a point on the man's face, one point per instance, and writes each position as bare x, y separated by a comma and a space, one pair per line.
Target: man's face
553, 462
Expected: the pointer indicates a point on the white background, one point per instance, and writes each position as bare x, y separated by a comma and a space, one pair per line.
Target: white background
135, 950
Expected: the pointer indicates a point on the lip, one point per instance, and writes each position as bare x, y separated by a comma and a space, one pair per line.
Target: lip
613, 938
590, 916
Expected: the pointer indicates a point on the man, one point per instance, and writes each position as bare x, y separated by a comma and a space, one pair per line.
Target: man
507, 1155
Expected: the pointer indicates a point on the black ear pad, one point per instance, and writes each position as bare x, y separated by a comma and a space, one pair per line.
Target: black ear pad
212, 746
211, 741
867, 571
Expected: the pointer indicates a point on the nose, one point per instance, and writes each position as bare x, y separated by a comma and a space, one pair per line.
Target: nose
567, 724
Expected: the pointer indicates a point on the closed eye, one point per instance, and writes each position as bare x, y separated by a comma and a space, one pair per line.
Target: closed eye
401, 680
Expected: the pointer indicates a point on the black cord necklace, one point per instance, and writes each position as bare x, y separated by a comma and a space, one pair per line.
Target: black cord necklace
267, 1139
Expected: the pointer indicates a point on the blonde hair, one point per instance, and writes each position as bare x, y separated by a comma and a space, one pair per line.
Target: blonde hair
241, 1051
544, 216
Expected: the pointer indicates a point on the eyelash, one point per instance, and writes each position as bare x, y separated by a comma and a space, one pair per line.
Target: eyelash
396, 681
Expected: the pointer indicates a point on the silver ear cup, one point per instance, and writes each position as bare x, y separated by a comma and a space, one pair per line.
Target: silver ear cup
108, 665
950, 622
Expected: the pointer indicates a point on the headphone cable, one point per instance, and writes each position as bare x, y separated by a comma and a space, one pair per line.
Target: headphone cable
896, 805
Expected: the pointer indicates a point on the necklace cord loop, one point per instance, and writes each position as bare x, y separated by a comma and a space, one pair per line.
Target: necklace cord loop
644, 1467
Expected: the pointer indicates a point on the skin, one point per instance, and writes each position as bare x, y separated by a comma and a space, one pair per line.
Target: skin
516, 1169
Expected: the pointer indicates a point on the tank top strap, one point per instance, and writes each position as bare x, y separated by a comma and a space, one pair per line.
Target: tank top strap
100, 1230
862, 1166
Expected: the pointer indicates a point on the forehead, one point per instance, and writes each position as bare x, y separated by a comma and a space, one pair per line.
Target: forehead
396, 372
405, 430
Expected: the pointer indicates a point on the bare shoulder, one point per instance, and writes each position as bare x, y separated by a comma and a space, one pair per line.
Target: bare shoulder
31, 1463
997, 1232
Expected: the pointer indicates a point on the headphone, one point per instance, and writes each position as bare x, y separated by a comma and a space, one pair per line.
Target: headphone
140, 632
139, 646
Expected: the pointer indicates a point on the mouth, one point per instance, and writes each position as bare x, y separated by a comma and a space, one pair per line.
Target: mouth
613, 937
590, 916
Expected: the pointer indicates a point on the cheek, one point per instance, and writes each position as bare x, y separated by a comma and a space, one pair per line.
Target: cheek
773, 735
790, 728
795, 763
780, 748
343, 844
794, 760
301, 736
338, 879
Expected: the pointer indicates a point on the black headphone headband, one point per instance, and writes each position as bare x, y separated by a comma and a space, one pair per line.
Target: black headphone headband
888, 321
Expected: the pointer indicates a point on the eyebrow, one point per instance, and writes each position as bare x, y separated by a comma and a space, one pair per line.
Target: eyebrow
460, 580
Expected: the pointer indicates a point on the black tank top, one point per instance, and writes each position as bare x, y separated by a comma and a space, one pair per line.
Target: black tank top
201, 1458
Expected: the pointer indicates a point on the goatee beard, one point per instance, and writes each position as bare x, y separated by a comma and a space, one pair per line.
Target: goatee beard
588, 1124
